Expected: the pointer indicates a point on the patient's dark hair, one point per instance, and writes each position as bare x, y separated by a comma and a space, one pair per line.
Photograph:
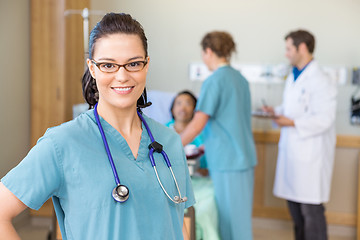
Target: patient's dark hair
185, 92
111, 23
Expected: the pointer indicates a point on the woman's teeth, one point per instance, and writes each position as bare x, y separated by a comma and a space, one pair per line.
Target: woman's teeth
123, 89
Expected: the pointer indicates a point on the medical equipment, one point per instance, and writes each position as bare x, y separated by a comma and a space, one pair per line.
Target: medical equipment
121, 193
355, 98
356, 76
355, 107
355, 111
193, 154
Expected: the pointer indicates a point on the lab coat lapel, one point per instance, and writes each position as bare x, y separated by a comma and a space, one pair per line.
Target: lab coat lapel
308, 70
296, 92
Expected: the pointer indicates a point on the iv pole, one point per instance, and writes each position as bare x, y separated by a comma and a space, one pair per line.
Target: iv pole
85, 13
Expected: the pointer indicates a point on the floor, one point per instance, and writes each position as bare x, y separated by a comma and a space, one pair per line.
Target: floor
269, 229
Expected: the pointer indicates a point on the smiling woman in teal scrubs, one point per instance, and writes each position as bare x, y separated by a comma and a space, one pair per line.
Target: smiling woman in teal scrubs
70, 164
224, 111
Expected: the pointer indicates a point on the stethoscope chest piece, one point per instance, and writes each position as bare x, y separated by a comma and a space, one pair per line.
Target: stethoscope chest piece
120, 193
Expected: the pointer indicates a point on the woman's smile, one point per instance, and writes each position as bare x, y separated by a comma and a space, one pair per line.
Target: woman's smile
123, 90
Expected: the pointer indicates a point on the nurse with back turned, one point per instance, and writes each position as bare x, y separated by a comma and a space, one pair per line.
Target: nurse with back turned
224, 110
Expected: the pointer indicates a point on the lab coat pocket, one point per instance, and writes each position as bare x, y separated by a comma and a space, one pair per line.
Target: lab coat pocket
304, 100
295, 142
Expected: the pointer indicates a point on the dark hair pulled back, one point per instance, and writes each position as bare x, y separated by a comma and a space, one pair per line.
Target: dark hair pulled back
111, 23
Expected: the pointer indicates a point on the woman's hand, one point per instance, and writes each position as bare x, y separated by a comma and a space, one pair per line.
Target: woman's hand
194, 128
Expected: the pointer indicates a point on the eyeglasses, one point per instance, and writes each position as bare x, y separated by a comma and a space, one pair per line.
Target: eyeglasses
113, 67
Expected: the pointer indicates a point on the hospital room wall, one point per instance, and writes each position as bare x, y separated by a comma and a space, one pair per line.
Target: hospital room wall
15, 82
175, 28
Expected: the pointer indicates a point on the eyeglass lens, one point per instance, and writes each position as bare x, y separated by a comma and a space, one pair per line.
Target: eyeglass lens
131, 67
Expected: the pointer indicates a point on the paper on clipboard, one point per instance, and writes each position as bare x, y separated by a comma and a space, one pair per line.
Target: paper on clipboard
263, 114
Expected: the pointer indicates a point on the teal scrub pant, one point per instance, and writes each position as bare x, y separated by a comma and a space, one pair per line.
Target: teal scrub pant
234, 199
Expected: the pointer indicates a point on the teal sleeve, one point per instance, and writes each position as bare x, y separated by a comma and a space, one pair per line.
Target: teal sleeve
37, 177
197, 141
209, 98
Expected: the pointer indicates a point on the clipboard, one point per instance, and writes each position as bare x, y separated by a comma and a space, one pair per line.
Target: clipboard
263, 114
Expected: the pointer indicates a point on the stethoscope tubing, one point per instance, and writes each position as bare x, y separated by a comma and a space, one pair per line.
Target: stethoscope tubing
151, 152
106, 147
167, 161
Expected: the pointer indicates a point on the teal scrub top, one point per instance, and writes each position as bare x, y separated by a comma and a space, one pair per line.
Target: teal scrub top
229, 144
70, 164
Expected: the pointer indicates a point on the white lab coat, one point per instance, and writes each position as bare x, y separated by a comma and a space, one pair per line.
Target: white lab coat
306, 151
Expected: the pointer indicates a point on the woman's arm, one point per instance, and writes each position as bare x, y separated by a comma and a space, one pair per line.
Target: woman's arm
194, 128
185, 231
10, 207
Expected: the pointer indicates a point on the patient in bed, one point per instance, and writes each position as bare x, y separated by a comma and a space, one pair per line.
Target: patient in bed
206, 220
182, 111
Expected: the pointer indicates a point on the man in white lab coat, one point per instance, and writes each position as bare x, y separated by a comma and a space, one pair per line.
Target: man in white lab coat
307, 140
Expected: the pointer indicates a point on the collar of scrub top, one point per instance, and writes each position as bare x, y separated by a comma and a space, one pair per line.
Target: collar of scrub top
297, 72
223, 64
154, 146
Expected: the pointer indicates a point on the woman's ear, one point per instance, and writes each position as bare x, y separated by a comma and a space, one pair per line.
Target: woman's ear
147, 65
91, 67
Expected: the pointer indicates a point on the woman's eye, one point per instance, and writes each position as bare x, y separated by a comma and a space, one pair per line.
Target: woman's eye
107, 65
134, 64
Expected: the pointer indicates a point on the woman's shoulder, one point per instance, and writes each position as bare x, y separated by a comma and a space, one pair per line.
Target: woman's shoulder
75, 127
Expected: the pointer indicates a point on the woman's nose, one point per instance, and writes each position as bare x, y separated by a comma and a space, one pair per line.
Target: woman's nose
122, 75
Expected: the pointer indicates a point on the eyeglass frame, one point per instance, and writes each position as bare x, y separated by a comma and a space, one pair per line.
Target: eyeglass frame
97, 64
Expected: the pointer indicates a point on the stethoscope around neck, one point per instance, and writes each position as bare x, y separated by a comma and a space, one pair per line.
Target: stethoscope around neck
121, 192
